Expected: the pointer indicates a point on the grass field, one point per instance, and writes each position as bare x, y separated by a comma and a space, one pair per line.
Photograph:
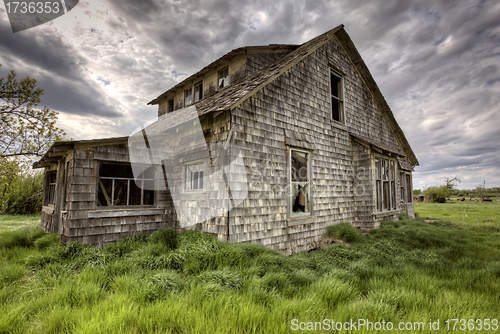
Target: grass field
10, 222
407, 271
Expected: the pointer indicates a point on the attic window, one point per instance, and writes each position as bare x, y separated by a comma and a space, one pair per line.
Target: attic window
118, 187
224, 78
188, 96
337, 96
198, 91
170, 106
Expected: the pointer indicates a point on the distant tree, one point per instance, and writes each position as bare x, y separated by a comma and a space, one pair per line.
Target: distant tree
25, 132
437, 193
480, 190
451, 182
416, 192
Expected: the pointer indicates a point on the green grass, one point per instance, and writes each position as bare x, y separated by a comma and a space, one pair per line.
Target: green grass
410, 271
479, 217
10, 222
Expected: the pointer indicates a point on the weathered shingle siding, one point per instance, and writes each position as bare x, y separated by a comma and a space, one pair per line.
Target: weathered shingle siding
299, 100
256, 62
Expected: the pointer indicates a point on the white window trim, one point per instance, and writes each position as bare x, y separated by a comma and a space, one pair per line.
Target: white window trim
291, 214
341, 99
228, 78
185, 167
192, 97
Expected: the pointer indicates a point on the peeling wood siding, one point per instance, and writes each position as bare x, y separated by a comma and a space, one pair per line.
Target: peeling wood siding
299, 100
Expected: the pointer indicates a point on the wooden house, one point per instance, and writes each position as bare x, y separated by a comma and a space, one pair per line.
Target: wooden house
313, 108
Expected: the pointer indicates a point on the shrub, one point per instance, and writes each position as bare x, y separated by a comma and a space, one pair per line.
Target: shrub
437, 193
23, 195
344, 231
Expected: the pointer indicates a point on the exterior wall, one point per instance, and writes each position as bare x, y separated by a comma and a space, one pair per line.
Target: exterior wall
210, 82
257, 61
299, 101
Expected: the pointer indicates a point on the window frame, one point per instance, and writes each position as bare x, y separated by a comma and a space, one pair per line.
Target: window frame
129, 180
339, 99
219, 78
186, 176
170, 105
50, 188
292, 214
384, 176
198, 84
190, 89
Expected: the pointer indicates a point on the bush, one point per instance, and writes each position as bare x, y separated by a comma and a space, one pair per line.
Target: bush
23, 195
344, 231
437, 193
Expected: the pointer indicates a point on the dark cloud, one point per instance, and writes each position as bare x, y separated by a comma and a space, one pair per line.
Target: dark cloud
436, 62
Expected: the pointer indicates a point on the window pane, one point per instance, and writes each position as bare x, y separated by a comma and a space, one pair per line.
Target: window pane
116, 170
149, 173
198, 92
335, 85
188, 96
379, 199
223, 78
377, 169
194, 180
393, 195
104, 192
386, 195
335, 109
408, 189
392, 175
200, 181
299, 166
120, 194
300, 197
149, 198
135, 192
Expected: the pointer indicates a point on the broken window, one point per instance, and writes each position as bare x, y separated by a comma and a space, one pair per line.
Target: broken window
188, 97
224, 78
194, 176
117, 186
170, 106
409, 191
402, 184
50, 188
299, 182
198, 91
385, 186
337, 98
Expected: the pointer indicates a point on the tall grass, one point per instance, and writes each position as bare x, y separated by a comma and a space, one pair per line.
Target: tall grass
409, 270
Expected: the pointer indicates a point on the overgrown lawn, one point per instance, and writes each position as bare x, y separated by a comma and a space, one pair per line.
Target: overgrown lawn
408, 271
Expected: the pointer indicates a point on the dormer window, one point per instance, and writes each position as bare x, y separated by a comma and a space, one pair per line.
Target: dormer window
188, 96
198, 91
224, 78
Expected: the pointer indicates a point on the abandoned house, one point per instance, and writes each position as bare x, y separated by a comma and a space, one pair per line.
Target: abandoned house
313, 143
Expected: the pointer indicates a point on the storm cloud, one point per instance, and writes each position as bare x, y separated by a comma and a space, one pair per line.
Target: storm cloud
436, 62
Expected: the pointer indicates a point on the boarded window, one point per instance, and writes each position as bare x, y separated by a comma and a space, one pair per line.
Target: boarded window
188, 97
194, 176
50, 188
337, 98
300, 182
198, 91
224, 78
118, 187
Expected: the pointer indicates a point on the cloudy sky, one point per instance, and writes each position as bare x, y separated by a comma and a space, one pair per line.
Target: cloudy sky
436, 62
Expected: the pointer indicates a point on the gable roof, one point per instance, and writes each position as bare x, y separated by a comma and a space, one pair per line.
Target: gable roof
234, 95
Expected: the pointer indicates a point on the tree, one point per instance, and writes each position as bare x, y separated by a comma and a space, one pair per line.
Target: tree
25, 132
451, 182
480, 190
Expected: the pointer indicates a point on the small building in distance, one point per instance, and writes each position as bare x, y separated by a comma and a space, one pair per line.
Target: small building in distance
317, 144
